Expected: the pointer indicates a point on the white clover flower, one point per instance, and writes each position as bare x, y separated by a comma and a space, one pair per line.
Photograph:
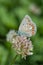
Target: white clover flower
23, 46
35, 9
20, 44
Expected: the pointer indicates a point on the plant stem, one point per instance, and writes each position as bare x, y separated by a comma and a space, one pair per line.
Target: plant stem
14, 59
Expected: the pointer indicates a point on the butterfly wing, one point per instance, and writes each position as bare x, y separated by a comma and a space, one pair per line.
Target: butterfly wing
27, 27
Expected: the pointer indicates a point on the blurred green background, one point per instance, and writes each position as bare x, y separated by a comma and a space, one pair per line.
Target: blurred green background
11, 15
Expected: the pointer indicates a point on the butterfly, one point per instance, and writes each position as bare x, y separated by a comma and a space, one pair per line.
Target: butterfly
27, 28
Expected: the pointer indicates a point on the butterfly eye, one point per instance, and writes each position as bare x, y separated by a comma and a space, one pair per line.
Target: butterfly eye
27, 27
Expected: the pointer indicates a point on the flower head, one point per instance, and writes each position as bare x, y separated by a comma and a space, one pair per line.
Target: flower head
35, 9
21, 44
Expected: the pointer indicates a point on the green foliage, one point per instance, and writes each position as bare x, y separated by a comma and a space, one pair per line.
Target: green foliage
3, 55
11, 15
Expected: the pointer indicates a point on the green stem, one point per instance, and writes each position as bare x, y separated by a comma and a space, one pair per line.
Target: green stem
14, 59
